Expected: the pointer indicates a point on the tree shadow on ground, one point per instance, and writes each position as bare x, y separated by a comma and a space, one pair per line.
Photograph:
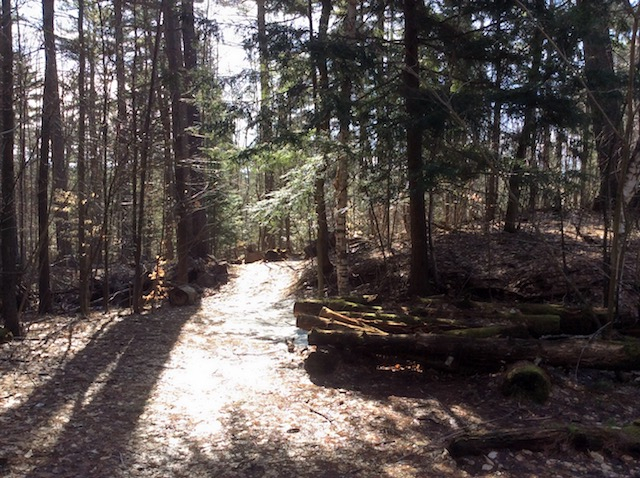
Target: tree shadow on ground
256, 452
103, 389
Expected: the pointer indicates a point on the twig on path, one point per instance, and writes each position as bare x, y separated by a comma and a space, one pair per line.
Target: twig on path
321, 414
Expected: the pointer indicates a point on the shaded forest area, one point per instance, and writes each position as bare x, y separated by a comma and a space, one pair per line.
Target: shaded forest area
429, 132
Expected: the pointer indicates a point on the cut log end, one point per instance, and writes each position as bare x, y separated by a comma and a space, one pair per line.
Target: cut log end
321, 362
182, 295
526, 380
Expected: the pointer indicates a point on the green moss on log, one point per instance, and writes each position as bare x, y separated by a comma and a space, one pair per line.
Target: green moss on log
490, 331
538, 325
526, 380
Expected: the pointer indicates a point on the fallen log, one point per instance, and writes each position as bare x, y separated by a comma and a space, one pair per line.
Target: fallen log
488, 353
327, 319
621, 439
367, 314
573, 320
314, 306
180, 295
514, 330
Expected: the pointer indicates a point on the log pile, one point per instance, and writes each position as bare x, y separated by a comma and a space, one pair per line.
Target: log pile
459, 339
518, 340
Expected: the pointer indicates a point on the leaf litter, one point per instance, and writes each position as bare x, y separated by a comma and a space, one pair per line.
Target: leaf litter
219, 390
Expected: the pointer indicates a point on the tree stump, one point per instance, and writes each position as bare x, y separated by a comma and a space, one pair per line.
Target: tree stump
182, 295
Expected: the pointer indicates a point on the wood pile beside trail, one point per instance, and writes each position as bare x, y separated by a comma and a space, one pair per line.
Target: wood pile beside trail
468, 336
519, 340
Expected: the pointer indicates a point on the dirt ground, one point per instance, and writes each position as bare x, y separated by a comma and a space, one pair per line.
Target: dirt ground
219, 390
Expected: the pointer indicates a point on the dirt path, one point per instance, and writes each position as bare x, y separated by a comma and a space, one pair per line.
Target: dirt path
213, 391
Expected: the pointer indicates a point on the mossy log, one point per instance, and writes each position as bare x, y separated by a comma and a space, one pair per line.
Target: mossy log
526, 380
537, 325
512, 330
182, 295
489, 353
621, 439
573, 320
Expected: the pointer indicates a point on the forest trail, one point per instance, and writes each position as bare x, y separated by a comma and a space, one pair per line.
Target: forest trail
213, 390
202, 391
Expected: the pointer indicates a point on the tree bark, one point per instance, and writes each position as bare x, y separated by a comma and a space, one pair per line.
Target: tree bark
526, 136
267, 239
604, 97
8, 220
342, 167
199, 223
175, 60
83, 249
320, 81
419, 267
582, 437
490, 353
144, 161
48, 107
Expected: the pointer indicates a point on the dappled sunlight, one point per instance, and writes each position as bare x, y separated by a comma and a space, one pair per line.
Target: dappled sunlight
218, 390
81, 399
233, 396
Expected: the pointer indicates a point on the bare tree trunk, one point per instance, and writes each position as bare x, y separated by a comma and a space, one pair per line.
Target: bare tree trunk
496, 131
525, 139
168, 218
200, 239
48, 105
83, 249
342, 167
8, 220
175, 61
265, 130
320, 90
605, 99
144, 161
419, 267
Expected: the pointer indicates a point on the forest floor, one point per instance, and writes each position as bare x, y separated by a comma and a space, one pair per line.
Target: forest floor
219, 390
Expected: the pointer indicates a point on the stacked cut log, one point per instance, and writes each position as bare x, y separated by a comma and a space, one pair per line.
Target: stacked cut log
536, 333
521, 339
